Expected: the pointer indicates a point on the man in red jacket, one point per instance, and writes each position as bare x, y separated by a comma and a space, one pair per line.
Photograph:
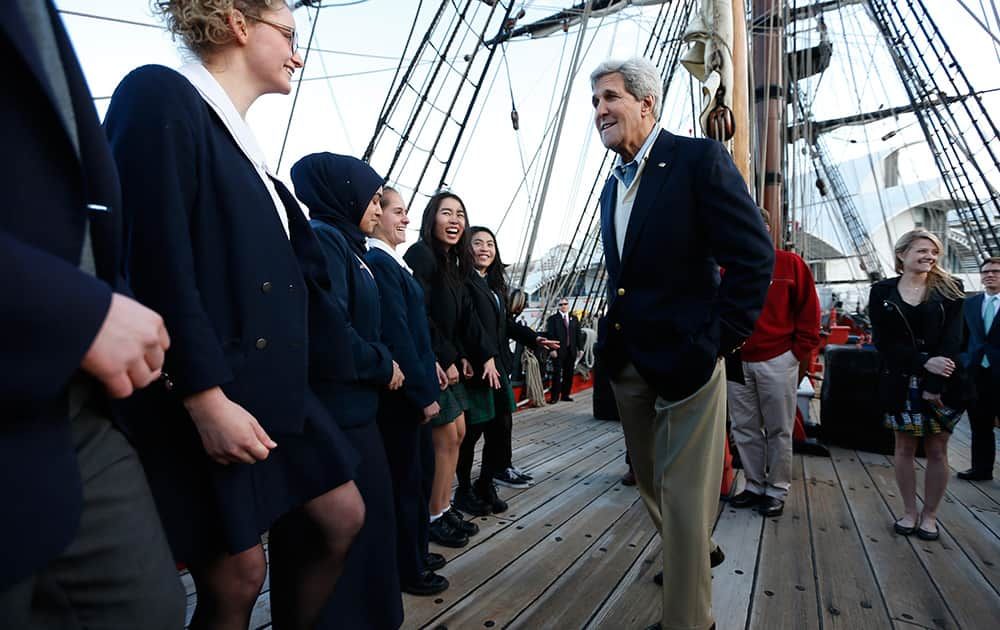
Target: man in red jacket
762, 408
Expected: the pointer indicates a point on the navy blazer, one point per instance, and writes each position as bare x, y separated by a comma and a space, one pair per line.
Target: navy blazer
979, 342
670, 311
51, 311
455, 332
497, 325
352, 402
406, 333
208, 252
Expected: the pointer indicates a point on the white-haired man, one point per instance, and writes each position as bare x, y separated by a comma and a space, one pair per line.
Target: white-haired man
674, 212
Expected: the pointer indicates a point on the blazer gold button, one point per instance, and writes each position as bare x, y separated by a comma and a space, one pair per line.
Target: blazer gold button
266, 287
618, 326
621, 291
261, 343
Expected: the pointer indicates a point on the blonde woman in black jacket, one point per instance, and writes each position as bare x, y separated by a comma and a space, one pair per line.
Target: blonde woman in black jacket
917, 326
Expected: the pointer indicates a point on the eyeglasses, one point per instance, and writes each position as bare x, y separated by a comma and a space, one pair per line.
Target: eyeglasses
564, 304
290, 34
990, 272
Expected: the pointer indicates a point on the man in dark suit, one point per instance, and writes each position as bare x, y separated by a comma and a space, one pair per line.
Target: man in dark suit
674, 212
982, 359
563, 327
83, 543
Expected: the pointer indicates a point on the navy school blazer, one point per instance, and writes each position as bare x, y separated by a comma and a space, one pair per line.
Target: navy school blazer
246, 306
52, 310
406, 333
352, 402
670, 311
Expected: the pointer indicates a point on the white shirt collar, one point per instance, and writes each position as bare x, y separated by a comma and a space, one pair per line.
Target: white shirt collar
216, 98
376, 243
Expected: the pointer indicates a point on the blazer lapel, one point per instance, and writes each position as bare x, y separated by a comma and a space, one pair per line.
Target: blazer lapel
974, 314
608, 227
654, 176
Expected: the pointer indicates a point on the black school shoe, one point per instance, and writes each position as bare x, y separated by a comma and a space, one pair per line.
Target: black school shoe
468, 501
442, 533
434, 561
745, 499
456, 521
428, 583
487, 493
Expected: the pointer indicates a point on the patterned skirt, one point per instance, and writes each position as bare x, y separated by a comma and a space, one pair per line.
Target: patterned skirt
919, 417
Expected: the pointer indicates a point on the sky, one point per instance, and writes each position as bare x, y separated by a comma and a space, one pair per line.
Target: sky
343, 89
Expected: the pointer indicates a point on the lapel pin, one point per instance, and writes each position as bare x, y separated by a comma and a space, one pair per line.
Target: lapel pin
662, 164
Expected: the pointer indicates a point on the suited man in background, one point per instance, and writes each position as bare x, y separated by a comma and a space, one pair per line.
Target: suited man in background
83, 542
673, 212
563, 327
982, 359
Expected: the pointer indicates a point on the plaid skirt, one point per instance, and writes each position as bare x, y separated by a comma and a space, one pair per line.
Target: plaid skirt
485, 403
453, 403
919, 417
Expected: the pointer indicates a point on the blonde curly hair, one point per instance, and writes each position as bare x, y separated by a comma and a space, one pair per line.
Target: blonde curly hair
203, 25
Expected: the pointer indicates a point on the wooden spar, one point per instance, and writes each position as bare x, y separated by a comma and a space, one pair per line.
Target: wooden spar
769, 103
741, 81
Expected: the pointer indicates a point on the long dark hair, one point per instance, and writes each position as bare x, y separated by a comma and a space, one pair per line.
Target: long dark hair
455, 263
496, 279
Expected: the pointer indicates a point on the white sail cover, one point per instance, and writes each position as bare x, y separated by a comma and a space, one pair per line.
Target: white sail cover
710, 59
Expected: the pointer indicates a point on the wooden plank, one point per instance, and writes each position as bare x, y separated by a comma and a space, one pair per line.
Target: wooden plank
738, 533
635, 602
784, 594
580, 592
971, 599
970, 534
491, 556
975, 501
557, 473
500, 599
849, 597
891, 556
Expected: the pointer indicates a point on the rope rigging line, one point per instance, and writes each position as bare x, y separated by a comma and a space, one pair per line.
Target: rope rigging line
298, 88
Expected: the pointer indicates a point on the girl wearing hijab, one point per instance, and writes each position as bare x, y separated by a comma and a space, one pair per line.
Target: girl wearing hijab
404, 415
490, 408
342, 194
232, 436
440, 261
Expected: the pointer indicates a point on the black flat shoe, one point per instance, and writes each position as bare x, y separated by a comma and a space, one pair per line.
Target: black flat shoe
745, 499
467, 501
456, 521
926, 534
434, 561
429, 583
975, 475
771, 506
902, 530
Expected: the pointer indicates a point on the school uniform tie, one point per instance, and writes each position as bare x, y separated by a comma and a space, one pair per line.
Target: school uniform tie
988, 321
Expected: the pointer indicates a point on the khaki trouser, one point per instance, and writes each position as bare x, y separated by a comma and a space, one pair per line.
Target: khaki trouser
676, 448
763, 415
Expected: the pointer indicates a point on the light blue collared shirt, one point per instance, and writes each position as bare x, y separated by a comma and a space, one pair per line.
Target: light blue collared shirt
625, 173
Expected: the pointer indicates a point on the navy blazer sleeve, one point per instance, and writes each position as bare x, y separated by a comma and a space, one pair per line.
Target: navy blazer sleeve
739, 242
420, 386
422, 262
149, 126
520, 333
50, 317
372, 360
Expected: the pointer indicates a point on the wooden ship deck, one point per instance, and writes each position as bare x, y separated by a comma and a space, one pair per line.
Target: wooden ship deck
576, 550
